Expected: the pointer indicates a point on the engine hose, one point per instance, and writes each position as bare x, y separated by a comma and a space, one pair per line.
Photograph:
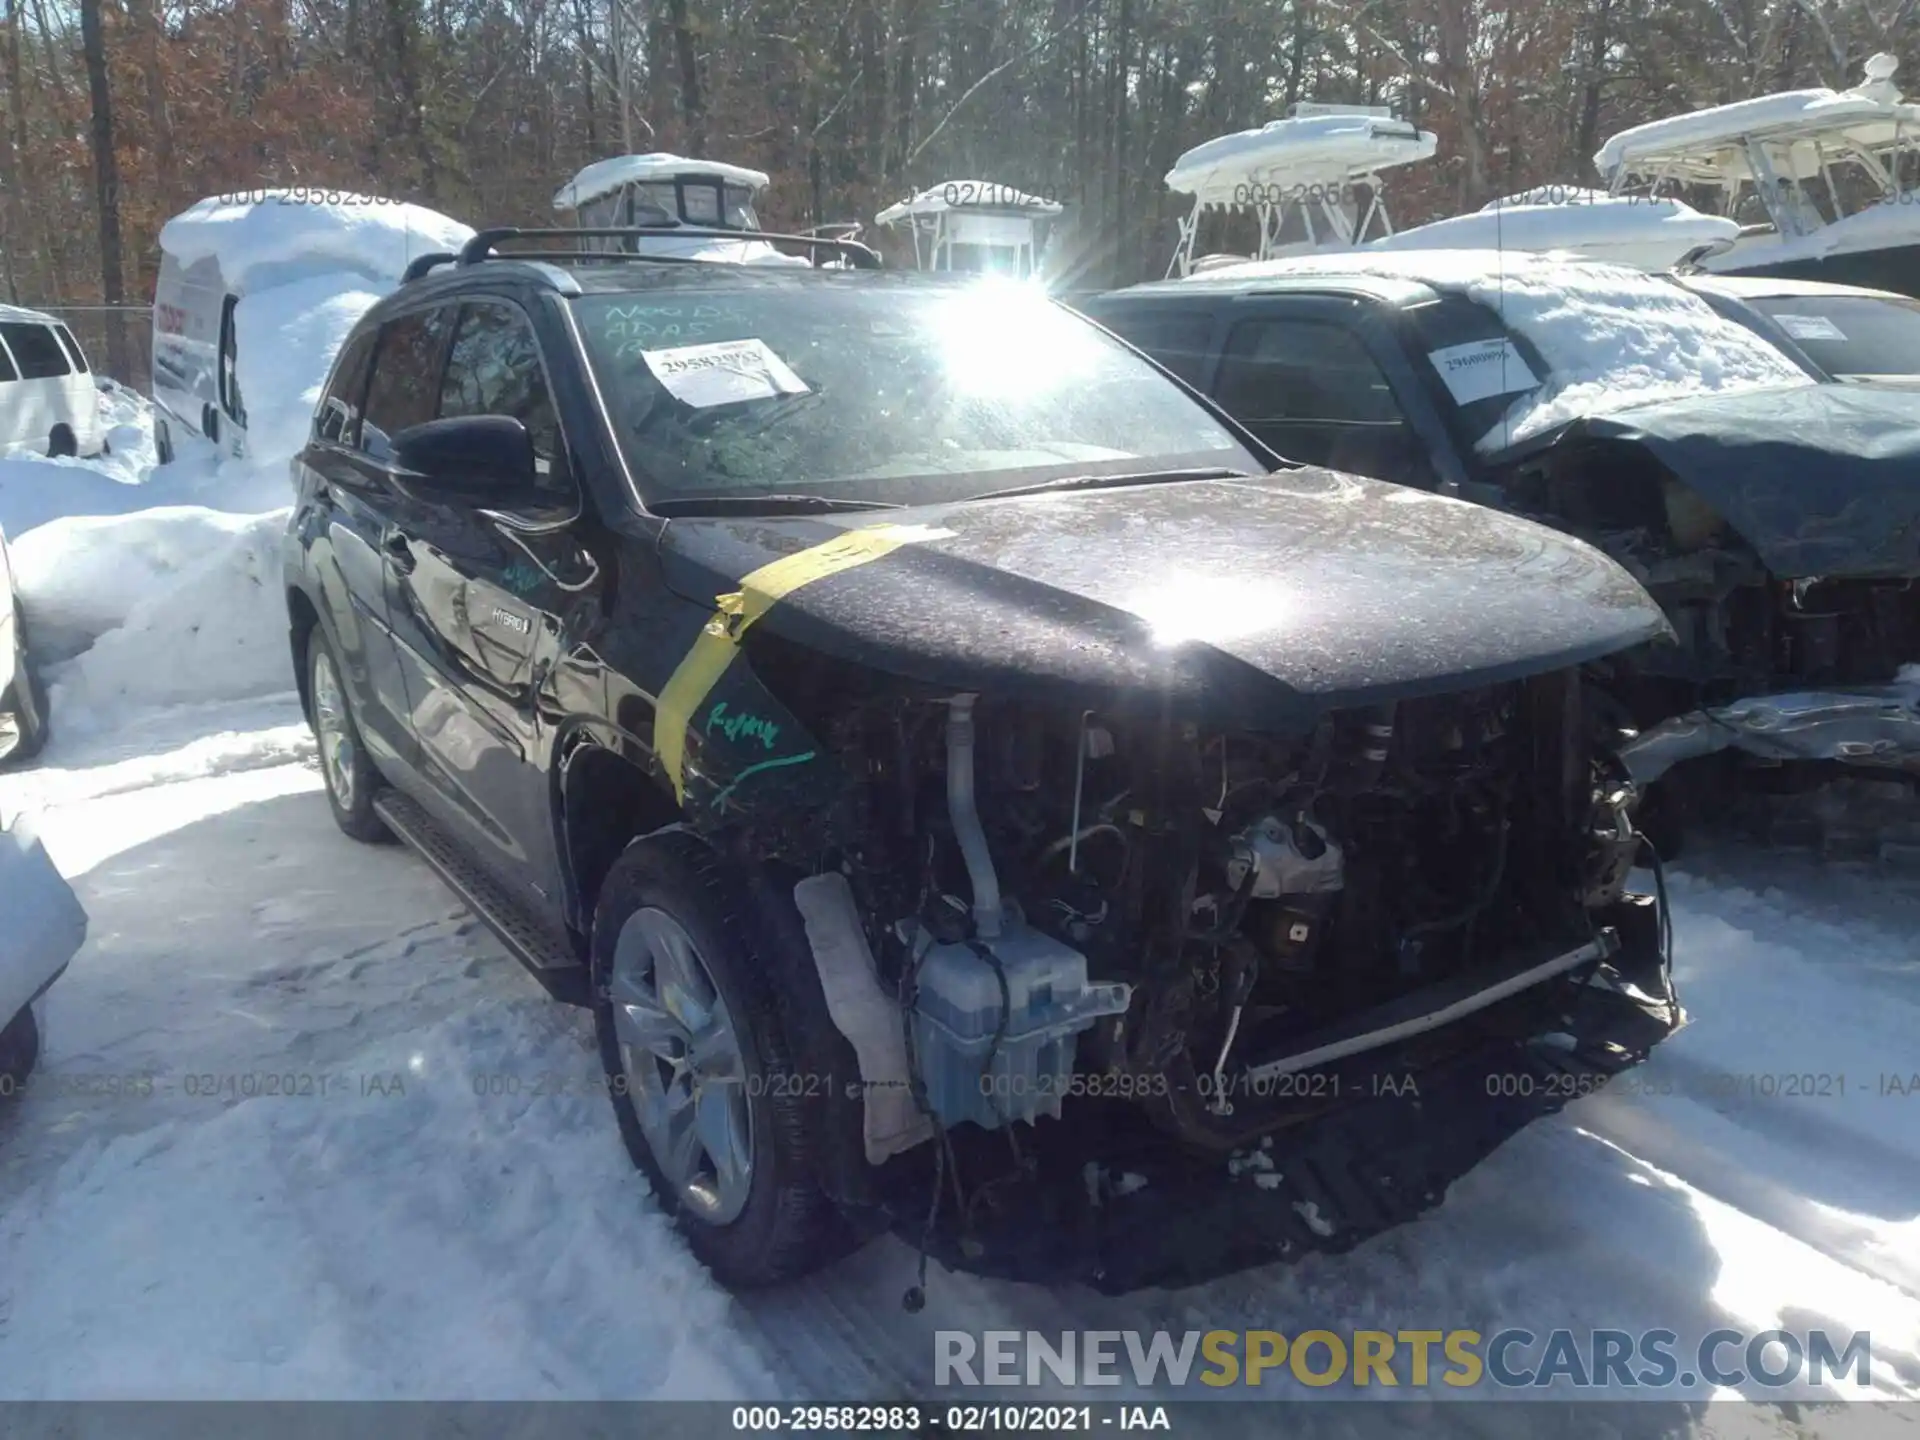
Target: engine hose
999, 1028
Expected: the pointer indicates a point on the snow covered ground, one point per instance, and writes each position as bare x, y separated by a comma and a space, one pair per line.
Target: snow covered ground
287, 1105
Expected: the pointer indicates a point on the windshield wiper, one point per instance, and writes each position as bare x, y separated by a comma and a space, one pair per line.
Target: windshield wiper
762, 505
1102, 482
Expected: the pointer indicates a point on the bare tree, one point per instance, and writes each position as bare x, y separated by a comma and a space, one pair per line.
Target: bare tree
106, 170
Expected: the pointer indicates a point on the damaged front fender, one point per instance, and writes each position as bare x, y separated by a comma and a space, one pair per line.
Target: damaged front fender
1877, 727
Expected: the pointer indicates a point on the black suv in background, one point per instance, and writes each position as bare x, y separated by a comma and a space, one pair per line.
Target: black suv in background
905, 715
1777, 520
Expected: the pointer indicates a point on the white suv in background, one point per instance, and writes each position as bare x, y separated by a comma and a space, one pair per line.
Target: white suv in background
48, 401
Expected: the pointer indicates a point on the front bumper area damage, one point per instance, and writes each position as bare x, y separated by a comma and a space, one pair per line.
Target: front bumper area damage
1877, 728
1122, 1219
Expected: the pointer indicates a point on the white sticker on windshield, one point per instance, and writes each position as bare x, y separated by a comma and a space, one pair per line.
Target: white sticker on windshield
1810, 327
723, 373
1481, 368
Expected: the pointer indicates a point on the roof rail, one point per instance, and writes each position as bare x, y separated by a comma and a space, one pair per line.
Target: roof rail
481, 246
423, 263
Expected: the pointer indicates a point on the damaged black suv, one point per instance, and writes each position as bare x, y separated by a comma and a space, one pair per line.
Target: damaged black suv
977, 796
1777, 520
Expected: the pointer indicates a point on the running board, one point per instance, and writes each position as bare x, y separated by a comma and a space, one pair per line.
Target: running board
1429, 1009
529, 940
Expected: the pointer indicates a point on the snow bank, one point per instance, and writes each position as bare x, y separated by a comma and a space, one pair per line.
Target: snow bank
286, 341
35, 489
288, 237
169, 606
1612, 337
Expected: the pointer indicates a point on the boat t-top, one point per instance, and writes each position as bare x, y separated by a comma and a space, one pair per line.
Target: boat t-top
976, 226
1300, 177
1829, 180
662, 189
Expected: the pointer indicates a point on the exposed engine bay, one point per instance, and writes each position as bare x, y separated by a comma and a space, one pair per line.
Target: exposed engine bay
1151, 930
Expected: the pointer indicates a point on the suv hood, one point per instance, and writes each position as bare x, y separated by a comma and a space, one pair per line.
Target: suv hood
1822, 480
1266, 599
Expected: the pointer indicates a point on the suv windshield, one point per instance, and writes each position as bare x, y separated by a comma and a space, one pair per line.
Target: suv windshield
881, 392
1850, 336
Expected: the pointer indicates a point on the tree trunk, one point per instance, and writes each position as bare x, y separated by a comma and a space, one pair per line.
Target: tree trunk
106, 170
1586, 137
146, 19
692, 106
402, 42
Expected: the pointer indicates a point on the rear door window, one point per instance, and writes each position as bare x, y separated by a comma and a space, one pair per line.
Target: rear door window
406, 377
1312, 392
36, 350
338, 418
72, 347
1302, 370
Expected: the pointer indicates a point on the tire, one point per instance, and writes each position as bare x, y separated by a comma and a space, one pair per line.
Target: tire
19, 1051
61, 443
346, 769
162, 443
777, 1223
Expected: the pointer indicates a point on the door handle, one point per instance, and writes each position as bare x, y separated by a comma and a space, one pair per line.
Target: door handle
399, 551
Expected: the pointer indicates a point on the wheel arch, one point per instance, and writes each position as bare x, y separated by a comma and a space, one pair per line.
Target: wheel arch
303, 617
606, 793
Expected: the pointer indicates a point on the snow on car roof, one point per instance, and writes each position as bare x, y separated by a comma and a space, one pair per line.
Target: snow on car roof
1611, 336
1648, 234
603, 177
270, 236
1302, 150
1707, 141
966, 195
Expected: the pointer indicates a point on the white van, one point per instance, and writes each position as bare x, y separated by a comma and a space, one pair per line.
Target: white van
195, 383
226, 254
48, 401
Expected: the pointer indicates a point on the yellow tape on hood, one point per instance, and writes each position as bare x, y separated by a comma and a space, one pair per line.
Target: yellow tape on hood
718, 642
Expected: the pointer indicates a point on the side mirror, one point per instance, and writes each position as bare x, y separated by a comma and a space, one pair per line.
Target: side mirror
480, 459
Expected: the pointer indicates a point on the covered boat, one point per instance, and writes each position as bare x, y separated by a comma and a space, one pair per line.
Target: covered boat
975, 226
1303, 178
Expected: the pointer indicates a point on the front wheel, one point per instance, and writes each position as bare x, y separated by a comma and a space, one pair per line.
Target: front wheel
701, 1068
350, 777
